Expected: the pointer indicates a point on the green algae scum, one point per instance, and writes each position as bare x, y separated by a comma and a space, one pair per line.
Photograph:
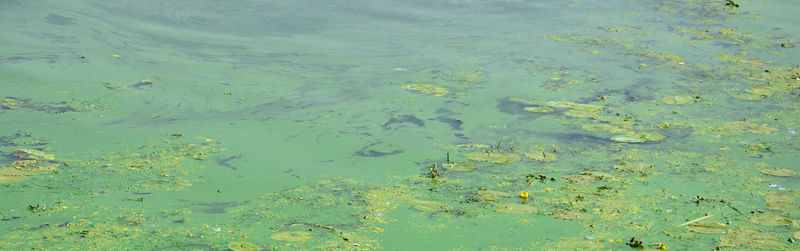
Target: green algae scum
399, 125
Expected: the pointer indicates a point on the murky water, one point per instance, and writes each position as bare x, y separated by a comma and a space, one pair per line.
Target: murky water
399, 125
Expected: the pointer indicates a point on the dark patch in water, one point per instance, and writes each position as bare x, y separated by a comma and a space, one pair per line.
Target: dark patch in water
224, 162
12, 218
455, 124
142, 85
366, 152
14, 59
579, 137
190, 246
511, 107
403, 119
59, 20
215, 208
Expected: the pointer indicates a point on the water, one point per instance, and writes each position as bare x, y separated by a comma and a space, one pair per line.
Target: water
315, 124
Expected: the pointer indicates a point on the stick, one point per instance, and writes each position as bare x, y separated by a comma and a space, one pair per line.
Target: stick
693, 221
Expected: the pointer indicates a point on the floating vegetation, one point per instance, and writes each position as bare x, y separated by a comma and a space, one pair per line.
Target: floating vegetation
514, 208
781, 202
27, 162
166, 164
708, 228
428, 205
771, 220
426, 89
637, 167
780, 172
565, 214
11, 103
638, 138
678, 100
542, 156
491, 195
243, 246
538, 109
575, 113
494, 157
596, 192
600, 127
591, 177
627, 138
574, 106
460, 167
738, 237
294, 236
739, 127
440, 83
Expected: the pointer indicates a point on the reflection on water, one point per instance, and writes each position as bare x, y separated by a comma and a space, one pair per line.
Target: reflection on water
364, 124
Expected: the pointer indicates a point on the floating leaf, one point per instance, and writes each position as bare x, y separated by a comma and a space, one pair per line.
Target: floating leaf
490, 195
627, 138
651, 136
297, 236
708, 228
460, 167
587, 107
542, 156
763, 90
512, 208
638, 138
737, 127
780, 172
561, 104
494, 157
781, 202
540, 109
428, 205
244, 246
770, 220
678, 100
637, 167
739, 237
749, 96
426, 89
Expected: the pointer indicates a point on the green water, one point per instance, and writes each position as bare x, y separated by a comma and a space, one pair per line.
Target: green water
399, 125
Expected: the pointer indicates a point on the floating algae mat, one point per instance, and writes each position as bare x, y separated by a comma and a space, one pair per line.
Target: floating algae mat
350, 125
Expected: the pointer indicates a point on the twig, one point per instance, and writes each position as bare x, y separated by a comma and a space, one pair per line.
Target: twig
693, 221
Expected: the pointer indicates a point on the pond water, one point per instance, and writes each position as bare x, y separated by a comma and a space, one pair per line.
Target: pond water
399, 125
